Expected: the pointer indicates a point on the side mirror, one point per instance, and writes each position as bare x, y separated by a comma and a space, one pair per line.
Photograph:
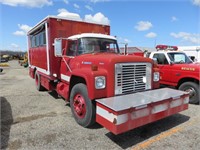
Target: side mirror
171, 62
58, 47
155, 60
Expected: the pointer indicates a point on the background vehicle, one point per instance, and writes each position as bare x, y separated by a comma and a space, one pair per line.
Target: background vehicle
24, 61
178, 70
191, 51
82, 62
2, 59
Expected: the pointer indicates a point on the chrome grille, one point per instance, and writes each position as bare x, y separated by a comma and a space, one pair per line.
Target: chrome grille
132, 77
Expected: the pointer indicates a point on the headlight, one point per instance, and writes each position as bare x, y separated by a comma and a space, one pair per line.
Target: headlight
156, 76
100, 82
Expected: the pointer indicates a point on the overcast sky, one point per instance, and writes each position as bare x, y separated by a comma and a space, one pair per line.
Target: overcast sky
136, 22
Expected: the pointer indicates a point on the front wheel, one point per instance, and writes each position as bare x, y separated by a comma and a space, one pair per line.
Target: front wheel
82, 107
193, 89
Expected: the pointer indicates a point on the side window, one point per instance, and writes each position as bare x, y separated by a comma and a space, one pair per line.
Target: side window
161, 58
38, 39
44, 37
72, 48
32, 41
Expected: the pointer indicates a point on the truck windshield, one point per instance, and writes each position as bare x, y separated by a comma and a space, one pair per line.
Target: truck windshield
97, 45
179, 58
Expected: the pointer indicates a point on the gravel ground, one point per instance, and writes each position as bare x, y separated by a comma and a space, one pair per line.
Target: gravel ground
40, 120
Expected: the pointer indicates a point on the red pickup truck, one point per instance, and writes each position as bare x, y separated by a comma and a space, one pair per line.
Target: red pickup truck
178, 70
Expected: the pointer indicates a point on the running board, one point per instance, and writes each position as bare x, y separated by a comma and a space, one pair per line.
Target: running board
122, 113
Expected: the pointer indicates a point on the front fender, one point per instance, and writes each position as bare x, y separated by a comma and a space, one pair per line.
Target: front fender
89, 78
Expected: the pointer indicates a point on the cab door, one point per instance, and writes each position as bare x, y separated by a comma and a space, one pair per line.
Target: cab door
65, 67
165, 68
69, 53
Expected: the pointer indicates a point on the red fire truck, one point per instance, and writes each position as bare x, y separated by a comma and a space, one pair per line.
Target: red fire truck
82, 63
178, 70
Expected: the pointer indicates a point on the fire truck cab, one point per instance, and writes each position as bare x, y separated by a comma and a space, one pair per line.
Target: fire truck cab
178, 70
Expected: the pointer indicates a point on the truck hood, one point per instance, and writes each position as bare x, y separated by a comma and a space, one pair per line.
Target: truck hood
105, 60
110, 58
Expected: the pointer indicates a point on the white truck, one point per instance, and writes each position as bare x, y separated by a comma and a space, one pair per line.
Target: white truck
192, 51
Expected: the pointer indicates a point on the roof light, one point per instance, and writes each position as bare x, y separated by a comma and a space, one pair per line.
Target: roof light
166, 47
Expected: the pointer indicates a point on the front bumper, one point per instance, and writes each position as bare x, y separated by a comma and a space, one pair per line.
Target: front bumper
123, 113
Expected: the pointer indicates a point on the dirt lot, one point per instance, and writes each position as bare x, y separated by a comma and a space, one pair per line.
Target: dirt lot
39, 120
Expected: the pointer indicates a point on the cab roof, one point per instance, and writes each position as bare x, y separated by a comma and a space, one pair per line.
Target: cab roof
168, 51
93, 35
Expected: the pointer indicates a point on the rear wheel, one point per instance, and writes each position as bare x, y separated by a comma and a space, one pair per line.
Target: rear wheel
82, 107
193, 89
38, 82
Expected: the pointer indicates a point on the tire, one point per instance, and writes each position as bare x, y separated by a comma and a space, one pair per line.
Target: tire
39, 87
193, 89
83, 109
